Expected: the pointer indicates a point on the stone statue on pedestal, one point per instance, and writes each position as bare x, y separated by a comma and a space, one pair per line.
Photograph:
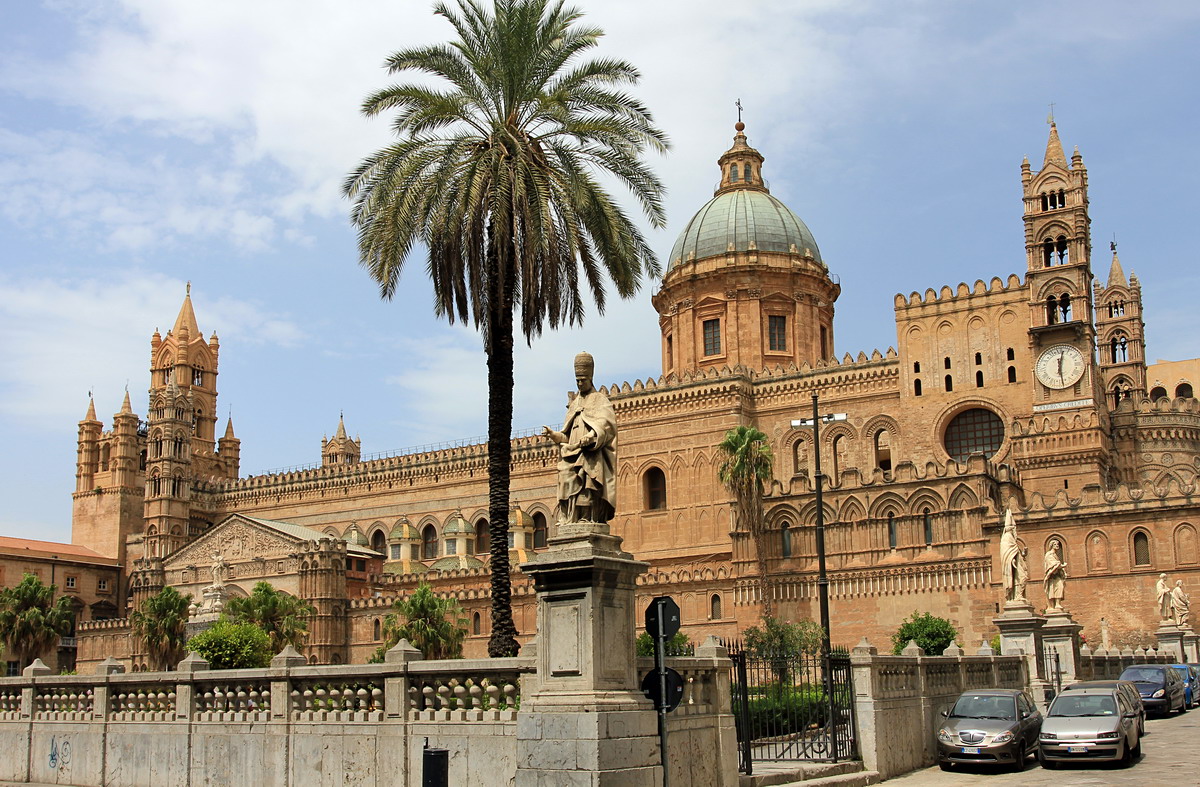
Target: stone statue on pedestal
587, 447
1180, 604
1054, 575
1013, 560
218, 570
1162, 591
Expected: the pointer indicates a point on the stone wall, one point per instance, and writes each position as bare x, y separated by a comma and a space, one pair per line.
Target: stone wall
899, 700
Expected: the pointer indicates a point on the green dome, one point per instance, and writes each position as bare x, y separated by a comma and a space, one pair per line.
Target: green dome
456, 525
742, 216
403, 530
456, 562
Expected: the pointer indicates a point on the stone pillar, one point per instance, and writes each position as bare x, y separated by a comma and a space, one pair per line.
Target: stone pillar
1170, 639
1060, 635
586, 722
1021, 635
1191, 646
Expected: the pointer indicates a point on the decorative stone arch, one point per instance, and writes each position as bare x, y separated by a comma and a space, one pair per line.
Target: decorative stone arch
888, 503
963, 497
852, 511
1056, 286
808, 514
798, 447
784, 511
377, 537
950, 412
703, 476
1187, 547
839, 443
925, 498
654, 483
1097, 552
1141, 548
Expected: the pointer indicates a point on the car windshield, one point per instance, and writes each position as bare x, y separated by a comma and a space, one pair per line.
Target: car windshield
1083, 705
983, 706
1143, 674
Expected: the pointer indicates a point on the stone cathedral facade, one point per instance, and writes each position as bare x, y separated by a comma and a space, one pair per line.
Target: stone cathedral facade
1027, 390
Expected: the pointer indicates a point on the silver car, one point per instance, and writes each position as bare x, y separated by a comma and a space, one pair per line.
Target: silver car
1089, 725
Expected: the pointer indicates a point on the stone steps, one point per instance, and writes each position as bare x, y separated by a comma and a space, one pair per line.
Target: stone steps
808, 774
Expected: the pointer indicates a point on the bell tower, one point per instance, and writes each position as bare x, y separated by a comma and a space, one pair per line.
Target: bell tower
1121, 334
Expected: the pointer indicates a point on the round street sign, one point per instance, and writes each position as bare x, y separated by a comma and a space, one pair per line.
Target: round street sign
665, 609
650, 687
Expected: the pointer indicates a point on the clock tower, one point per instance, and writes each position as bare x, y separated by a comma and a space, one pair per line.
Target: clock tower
1067, 384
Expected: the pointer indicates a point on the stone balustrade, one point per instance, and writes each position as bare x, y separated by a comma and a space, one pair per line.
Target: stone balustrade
899, 699
1109, 664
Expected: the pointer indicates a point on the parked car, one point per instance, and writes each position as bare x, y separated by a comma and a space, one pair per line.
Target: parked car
1160, 686
989, 727
1089, 725
1191, 692
1128, 688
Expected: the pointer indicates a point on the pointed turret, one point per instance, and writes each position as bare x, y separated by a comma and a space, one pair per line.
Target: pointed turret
341, 430
340, 450
91, 411
1116, 276
126, 407
1054, 149
187, 317
87, 462
229, 430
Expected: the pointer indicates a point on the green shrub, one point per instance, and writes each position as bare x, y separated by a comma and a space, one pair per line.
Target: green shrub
678, 645
932, 634
229, 645
782, 710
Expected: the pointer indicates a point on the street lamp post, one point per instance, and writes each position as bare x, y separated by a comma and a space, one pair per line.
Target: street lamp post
822, 576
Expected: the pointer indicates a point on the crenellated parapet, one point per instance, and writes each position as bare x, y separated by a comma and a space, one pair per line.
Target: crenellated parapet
1011, 289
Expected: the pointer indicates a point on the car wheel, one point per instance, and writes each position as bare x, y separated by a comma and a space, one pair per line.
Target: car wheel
1047, 764
1019, 760
1137, 750
1141, 728
1183, 707
945, 766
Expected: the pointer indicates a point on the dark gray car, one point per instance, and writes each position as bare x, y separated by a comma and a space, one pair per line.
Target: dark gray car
989, 727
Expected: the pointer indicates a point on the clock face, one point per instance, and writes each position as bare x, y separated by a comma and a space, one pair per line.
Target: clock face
1059, 366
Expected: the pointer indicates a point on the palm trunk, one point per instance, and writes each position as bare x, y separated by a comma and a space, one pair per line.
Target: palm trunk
499, 348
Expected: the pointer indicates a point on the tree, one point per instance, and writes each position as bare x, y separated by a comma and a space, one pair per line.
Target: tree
283, 617
229, 645
435, 626
31, 619
781, 642
678, 645
495, 173
161, 623
932, 634
744, 471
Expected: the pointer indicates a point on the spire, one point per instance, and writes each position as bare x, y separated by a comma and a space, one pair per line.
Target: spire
126, 408
341, 430
187, 317
1116, 276
1054, 149
229, 429
91, 413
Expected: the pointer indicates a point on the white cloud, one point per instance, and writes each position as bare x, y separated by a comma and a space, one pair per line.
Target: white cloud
61, 339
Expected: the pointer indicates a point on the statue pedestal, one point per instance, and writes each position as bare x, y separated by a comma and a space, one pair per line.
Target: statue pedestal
1021, 635
586, 721
1060, 636
203, 616
1170, 639
1191, 646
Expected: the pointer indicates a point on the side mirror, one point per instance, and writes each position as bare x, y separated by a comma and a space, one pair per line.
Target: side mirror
945, 714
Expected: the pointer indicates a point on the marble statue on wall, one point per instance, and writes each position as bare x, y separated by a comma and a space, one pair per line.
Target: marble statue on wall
587, 447
1162, 591
1180, 604
1014, 560
1054, 575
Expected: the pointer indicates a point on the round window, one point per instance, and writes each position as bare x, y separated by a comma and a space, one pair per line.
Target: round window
975, 431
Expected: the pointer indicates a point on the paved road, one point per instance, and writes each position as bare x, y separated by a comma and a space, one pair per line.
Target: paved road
1170, 758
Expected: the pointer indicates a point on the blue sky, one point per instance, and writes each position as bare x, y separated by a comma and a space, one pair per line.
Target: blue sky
147, 143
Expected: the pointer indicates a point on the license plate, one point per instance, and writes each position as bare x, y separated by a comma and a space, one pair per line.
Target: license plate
1077, 749
970, 750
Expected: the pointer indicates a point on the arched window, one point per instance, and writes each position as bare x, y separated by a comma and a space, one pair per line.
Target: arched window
978, 359
800, 457
916, 387
927, 521
974, 431
375, 630
476, 624
1119, 348
1012, 374
891, 530
1158, 392
654, 484
197, 377
839, 452
1184, 391
483, 537
1141, 549
1064, 307
714, 607
1060, 247
429, 543
883, 450
1047, 253
733, 172
1010, 355
978, 379
785, 539
916, 367
379, 542
540, 532
749, 172
949, 383
946, 362
105, 451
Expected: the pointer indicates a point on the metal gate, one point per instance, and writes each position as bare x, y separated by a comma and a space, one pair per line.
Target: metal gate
793, 707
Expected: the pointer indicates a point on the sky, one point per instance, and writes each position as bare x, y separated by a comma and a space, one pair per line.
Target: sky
148, 143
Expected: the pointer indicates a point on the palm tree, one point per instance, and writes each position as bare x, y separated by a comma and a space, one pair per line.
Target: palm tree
744, 471
161, 623
435, 626
31, 620
283, 617
495, 172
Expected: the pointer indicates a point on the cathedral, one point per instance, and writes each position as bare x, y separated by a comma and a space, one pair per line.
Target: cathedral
1028, 393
